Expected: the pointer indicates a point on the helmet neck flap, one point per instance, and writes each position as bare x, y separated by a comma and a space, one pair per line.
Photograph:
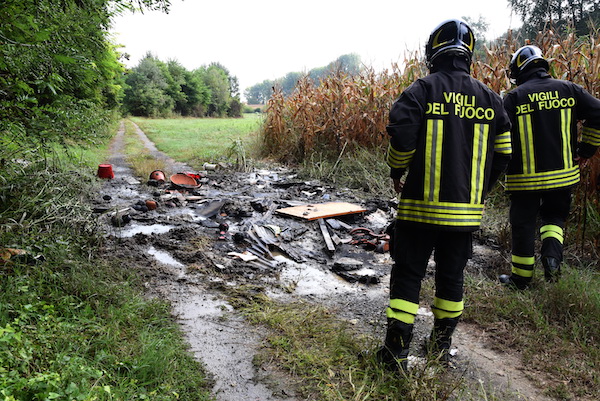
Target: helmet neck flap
452, 38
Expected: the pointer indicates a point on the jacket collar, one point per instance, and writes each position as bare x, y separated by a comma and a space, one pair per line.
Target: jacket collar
533, 73
451, 63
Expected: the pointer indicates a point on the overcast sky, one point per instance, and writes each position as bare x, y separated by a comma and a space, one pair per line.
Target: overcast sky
266, 39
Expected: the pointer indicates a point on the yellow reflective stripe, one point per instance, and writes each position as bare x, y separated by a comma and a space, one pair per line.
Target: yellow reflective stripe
433, 159
565, 122
502, 144
545, 180
480, 140
526, 137
402, 316
440, 213
403, 305
522, 272
523, 260
443, 314
450, 306
591, 136
552, 231
398, 159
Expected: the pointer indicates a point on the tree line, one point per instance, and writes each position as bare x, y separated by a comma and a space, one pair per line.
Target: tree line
61, 77
580, 16
259, 93
155, 88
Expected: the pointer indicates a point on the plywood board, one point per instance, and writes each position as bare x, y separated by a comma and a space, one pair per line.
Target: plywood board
321, 210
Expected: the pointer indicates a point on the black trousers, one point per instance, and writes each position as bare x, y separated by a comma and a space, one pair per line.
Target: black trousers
553, 209
413, 246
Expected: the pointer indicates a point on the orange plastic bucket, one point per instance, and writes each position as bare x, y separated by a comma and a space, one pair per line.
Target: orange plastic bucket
105, 171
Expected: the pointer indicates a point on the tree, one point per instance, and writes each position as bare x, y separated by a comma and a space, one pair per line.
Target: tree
147, 90
480, 27
217, 79
348, 64
60, 76
197, 93
288, 83
535, 14
259, 93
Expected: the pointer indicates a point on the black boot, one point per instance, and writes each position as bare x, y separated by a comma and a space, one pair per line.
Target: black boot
513, 281
551, 268
440, 340
394, 353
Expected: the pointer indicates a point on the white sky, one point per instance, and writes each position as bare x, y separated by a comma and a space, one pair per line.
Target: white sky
265, 39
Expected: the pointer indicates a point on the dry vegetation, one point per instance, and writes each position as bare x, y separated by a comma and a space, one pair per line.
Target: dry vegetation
345, 113
353, 111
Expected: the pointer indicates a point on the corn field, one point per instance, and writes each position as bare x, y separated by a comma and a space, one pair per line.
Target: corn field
348, 112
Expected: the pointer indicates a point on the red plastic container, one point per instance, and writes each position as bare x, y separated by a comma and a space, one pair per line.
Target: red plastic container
105, 171
157, 175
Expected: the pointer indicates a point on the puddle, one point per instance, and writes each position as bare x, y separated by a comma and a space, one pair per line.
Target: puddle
146, 230
310, 280
164, 257
226, 344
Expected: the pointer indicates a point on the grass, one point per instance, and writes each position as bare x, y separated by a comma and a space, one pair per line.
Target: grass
139, 157
323, 352
359, 168
553, 327
330, 360
320, 351
74, 326
199, 140
78, 327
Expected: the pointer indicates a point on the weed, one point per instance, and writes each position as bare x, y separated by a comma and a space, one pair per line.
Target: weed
554, 327
327, 356
199, 140
73, 326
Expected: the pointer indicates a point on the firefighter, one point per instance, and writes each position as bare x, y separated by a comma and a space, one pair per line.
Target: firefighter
544, 113
451, 134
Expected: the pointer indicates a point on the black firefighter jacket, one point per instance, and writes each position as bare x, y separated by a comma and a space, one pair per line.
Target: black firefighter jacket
544, 114
453, 135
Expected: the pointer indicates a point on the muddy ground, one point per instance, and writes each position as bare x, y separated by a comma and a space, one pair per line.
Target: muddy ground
188, 257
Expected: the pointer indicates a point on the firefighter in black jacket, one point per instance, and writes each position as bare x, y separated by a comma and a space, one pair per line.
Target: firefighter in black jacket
452, 135
544, 113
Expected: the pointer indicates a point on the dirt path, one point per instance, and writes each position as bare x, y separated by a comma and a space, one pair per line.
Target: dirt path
165, 244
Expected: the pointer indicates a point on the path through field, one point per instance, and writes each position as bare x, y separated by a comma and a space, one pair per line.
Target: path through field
178, 249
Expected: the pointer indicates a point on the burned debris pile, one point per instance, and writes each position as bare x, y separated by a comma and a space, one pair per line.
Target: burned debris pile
257, 222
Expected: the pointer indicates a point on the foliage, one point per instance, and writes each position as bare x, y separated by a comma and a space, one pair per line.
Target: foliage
537, 14
353, 109
343, 110
158, 89
260, 93
60, 78
73, 326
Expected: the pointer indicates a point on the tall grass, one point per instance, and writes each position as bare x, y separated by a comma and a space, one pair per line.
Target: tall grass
328, 129
330, 123
352, 111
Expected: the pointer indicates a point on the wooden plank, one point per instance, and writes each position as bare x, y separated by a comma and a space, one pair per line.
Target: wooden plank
321, 210
326, 236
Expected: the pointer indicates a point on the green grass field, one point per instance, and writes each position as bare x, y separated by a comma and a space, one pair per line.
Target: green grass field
199, 140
